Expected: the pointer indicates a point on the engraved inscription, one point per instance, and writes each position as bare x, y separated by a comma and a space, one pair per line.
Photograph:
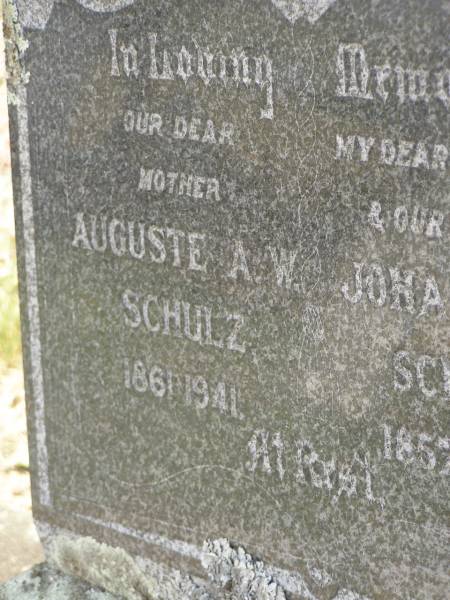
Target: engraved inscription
428, 451
338, 478
429, 374
193, 390
419, 220
186, 249
241, 280
392, 153
359, 79
396, 287
180, 127
178, 318
179, 184
159, 63
160, 245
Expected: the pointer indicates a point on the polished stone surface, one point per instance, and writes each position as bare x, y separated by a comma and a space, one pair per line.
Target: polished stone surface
233, 227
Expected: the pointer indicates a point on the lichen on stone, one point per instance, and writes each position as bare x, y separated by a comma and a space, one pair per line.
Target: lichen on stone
15, 47
173, 585
234, 570
44, 582
102, 565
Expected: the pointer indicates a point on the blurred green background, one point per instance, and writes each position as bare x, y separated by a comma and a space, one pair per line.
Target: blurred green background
9, 316
19, 545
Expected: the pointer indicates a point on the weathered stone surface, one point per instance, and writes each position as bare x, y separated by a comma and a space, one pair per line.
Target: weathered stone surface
45, 582
233, 226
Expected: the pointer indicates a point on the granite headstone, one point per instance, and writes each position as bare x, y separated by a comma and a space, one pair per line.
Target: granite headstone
233, 226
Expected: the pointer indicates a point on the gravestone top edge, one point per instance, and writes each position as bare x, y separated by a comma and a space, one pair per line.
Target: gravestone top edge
35, 13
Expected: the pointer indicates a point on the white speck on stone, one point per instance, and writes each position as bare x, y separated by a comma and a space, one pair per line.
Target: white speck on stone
320, 577
347, 595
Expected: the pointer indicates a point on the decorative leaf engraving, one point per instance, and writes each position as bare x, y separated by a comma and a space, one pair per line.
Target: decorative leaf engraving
311, 10
34, 14
105, 5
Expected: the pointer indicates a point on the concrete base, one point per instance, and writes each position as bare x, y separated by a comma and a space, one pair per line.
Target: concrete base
43, 582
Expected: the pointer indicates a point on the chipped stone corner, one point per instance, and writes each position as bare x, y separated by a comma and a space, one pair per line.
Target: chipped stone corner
230, 572
116, 571
103, 566
236, 571
245, 577
16, 45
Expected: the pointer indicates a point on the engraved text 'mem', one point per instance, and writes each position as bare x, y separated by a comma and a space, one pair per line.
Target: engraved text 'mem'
162, 64
358, 79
